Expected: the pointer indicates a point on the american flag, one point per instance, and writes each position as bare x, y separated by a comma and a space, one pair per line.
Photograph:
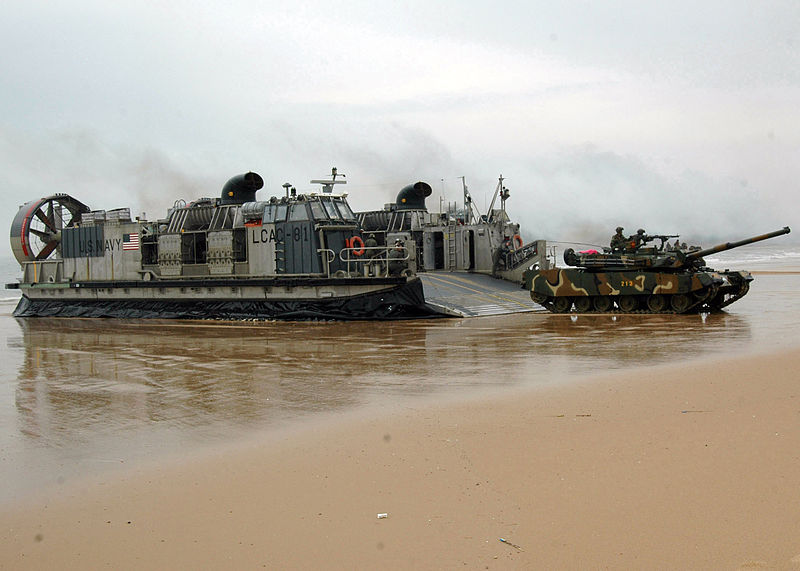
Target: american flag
130, 241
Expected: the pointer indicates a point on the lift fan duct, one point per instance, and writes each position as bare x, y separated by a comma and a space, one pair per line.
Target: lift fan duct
36, 229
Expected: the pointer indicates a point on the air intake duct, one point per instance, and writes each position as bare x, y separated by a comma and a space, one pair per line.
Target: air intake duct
412, 197
241, 188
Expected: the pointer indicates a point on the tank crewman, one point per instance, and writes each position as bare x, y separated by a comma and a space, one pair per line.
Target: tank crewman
635, 241
618, 240
396, 262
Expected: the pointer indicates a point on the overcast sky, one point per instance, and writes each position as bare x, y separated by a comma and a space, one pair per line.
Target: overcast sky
678, 117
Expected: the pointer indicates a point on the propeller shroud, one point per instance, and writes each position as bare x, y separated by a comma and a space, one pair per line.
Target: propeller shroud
36, 229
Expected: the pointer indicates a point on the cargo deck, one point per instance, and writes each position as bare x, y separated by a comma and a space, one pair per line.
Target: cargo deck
463, 294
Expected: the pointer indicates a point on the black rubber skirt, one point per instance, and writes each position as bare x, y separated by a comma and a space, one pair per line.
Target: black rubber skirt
404, 301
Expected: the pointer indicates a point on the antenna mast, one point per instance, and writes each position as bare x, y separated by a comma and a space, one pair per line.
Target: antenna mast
497, 191
327, 185
469, 205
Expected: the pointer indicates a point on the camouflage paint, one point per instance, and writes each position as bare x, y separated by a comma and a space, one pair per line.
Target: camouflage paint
575, 282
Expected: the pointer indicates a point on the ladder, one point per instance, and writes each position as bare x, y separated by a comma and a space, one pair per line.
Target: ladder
280, 257
450, 240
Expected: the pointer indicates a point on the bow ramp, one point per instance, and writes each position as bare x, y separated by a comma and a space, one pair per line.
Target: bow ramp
462, 294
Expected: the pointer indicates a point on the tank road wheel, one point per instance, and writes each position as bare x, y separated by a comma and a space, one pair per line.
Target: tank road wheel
538, 298
656, 303
603, 303
680, 302
628, 303
583, 304
704, 295
562, 304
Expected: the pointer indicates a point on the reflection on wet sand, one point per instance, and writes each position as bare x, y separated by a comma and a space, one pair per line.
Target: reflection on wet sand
77, 396
640, 339
81, 378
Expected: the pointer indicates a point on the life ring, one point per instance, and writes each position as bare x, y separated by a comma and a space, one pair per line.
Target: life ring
517, 239
359, 249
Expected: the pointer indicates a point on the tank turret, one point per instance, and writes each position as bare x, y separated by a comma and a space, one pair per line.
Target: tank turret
661, 257
641, 278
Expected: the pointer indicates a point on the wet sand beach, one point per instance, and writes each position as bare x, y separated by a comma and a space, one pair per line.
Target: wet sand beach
699, 470
618, 442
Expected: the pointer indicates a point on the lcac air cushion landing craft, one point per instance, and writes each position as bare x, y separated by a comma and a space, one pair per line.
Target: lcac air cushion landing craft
295, 256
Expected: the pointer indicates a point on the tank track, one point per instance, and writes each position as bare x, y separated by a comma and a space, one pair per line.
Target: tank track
708, 299
720, 300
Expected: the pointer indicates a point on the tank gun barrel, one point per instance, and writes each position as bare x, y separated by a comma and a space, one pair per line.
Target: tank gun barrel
731, 245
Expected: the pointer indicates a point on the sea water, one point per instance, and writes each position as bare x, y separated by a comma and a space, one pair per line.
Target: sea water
80, 396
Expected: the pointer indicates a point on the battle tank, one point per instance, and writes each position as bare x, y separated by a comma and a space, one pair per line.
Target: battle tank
641, 279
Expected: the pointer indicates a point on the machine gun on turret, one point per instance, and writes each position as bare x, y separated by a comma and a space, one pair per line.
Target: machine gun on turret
663, 237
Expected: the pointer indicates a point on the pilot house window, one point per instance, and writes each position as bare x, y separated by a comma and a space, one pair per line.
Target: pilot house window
330, 209
344, 208
299, 212
317, 211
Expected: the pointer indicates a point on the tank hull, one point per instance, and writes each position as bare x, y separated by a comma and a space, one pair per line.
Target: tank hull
582, 291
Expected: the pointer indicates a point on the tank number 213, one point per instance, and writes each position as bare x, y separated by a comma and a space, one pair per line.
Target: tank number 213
624, 283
